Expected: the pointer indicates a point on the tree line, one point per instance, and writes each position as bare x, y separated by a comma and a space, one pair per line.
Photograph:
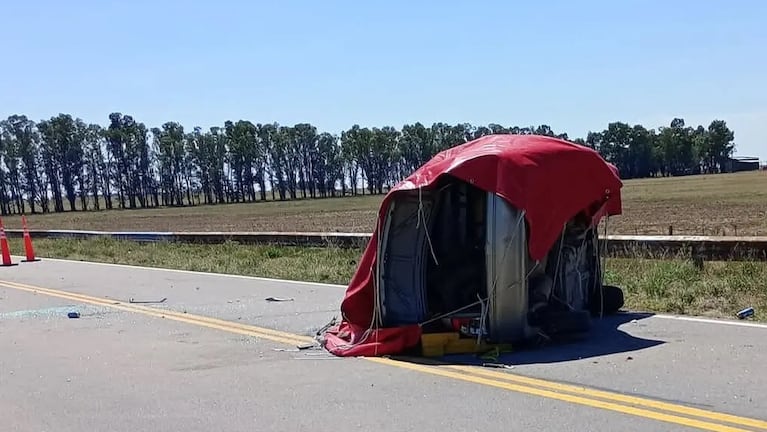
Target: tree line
65, 164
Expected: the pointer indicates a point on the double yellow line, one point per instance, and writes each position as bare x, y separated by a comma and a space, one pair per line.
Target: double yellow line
616, 402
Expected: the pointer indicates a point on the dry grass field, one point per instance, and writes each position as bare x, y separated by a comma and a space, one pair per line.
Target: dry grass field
723, 204
731, 204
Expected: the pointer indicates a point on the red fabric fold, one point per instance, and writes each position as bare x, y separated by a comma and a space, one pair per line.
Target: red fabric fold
348, 340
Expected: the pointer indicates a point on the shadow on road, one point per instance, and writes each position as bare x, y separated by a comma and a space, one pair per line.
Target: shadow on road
604, 338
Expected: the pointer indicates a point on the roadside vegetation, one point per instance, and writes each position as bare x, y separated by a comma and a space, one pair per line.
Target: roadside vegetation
677, 286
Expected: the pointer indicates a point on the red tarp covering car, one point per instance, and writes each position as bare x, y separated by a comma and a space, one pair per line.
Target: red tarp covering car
552, 180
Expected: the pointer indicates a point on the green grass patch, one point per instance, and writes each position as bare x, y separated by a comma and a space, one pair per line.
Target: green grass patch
665, 286
720, 289
328, 265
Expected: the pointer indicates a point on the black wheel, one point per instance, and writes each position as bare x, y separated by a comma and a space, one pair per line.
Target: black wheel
608, 302
566, 322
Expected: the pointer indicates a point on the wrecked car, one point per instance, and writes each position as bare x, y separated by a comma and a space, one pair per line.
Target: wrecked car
494, 241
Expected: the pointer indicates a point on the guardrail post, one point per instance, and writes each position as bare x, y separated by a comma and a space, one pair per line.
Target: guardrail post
697, 257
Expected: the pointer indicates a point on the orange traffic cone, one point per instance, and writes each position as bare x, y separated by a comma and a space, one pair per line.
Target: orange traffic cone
6, 250
28, 249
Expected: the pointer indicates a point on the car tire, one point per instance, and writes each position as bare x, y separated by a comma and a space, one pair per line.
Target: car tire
569, 322
609, 302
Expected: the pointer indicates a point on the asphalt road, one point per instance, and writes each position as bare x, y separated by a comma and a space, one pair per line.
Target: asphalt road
216, 355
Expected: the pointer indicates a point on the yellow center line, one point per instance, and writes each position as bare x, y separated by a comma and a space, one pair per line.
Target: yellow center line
617, 397
595, 403
507, 381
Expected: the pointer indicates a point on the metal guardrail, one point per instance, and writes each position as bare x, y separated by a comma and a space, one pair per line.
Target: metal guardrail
709, 248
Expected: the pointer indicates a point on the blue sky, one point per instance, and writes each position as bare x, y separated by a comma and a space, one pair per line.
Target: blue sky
572, 65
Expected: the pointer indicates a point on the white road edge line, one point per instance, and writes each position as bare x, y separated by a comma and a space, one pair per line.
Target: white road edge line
712, 321
191, 272
319, 284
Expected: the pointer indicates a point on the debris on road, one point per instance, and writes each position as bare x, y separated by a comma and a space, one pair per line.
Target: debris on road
132, 300
302, 347
278, 299
745, 313
497, 365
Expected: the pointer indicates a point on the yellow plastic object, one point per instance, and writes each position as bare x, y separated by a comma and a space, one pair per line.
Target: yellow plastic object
433, 344
433, 351
464, 346
439, 344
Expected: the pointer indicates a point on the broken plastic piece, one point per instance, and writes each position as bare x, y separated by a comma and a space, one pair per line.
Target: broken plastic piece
497, 365
132, 300
278, 299
745, 313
